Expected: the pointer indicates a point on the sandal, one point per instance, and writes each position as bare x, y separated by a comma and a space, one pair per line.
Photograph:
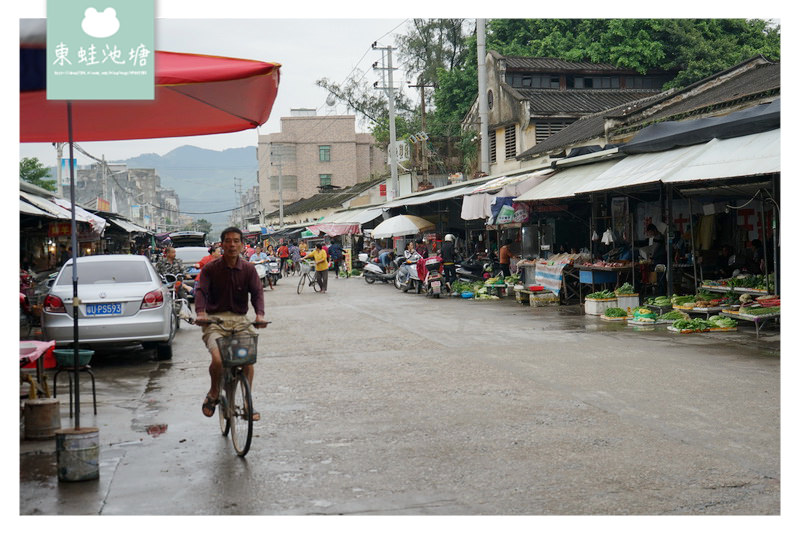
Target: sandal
209, 406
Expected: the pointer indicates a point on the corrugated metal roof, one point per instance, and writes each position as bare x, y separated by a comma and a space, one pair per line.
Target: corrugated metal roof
552, 64
577, 102
564, 183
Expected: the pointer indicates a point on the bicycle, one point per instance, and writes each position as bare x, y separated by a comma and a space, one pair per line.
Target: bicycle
305, 275
235, 399
288, 267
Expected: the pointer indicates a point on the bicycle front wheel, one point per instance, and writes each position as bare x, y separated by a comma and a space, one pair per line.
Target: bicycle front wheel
301, 284
241, 416
224, 421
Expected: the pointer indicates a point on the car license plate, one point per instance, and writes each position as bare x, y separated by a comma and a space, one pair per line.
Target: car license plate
103, 309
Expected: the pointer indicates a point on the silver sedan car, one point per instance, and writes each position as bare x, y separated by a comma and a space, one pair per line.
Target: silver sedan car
122, 301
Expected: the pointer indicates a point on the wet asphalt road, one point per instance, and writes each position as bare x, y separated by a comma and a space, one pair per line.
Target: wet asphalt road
376, 402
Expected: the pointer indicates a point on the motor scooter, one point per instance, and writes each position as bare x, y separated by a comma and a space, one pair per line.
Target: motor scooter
374, 271
407, 274
261, 271
273, 269
434, 283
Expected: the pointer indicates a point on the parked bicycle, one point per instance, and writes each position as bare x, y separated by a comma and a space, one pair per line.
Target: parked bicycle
238, 349
307, 276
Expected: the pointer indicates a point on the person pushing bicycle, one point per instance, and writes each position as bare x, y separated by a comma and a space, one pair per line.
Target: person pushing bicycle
222, 292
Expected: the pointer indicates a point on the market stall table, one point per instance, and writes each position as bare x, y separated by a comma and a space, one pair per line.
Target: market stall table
35, 352
758, 321
600, 275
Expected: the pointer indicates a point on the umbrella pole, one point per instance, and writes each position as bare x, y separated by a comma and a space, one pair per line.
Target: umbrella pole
75, 300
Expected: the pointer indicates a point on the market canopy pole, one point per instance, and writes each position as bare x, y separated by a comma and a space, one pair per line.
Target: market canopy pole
75, 300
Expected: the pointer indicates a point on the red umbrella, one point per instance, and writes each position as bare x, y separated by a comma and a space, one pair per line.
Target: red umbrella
194, 95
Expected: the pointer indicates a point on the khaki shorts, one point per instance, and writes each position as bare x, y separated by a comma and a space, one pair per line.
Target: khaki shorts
230, 321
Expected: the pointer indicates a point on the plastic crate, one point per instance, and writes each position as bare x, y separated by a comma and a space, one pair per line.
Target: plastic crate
543, 299
238, 350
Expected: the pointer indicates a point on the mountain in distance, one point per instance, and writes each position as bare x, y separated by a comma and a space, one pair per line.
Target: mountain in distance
204, 179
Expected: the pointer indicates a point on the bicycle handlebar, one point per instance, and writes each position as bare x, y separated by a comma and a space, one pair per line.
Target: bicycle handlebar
217, 320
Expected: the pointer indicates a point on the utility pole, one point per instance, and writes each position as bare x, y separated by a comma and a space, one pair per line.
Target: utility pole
59, 154
237, 187
483, 100
424, 142
389, 88
276, 151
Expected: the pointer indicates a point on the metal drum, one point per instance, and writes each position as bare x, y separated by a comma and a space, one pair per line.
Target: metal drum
42, 418
77, 454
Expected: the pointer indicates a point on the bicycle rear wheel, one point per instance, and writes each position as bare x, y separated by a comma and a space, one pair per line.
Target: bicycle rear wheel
241, 415
224, 421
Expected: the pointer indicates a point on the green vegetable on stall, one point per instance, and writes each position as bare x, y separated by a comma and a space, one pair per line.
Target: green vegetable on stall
615, 312
761, 311
720, 321
674, 315
601, 295
626, 288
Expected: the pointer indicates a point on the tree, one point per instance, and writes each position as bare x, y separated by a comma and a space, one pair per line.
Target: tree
372, 106
199, 225
32, 171
694, 48
432, 45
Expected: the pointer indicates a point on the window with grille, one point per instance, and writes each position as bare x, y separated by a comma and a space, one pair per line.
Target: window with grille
545, 129
511, 142
324, 179
493, 146
324, 152
289, 183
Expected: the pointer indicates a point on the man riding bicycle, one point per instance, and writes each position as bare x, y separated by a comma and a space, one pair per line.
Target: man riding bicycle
222, 292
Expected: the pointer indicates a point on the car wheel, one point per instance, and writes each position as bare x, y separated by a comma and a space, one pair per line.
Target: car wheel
163, 351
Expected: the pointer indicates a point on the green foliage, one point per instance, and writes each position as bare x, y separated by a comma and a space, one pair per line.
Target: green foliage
198, 225
32, 171
695, 48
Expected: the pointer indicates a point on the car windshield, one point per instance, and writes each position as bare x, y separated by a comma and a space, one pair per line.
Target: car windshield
107, 272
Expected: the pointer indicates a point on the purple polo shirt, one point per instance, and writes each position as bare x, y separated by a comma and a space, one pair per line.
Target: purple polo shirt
222, 288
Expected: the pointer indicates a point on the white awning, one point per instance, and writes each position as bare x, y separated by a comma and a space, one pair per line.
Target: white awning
28, 209
641, 169
750, 155
130, 227
514, 185
49, 207
353, 216
435, 195
564, 183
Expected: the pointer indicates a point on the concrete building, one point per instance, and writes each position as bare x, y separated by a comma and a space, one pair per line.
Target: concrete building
532, 98
314, 153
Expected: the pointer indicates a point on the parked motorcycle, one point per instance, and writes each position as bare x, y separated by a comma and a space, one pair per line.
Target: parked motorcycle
474, 269
408, 275
374, 271
434, 282
180, 305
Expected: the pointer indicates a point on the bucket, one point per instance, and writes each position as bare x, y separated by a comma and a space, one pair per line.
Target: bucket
77, 454
42, 418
